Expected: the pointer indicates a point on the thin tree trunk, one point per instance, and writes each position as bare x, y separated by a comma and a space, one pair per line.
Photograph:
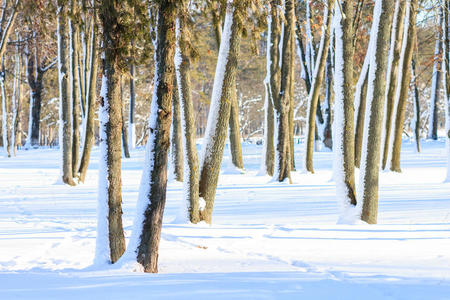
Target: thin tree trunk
183, 65
152, 196
65, 136
74, 68
176, 137
416, 120
5, 119
344, 144
327, 133
370, 162
268, 154
313, 98
219, 116
131, 125
392, 75
436, 82
360, 109
446, 76
125, 148
403, 85
291, 93
90, 104
235, 131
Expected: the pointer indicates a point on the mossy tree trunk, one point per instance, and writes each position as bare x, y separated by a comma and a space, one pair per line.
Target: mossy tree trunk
176, 137
110, 115
154, 178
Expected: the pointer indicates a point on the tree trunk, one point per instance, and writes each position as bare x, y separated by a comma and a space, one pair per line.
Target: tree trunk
235, 131
370, 162
317, 84
5, 119
436, 82
152, 196
446, 75
403, 86
131, 125
74, 68
392, 75
344, 144
176, 137
219, 115
327, 133
268, 154
125, 148
110, 116
416, 120
91, 98
65, 136
360, 103
183, 65
282, 101
290, 90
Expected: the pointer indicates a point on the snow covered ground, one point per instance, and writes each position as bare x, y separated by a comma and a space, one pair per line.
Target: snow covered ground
268, 240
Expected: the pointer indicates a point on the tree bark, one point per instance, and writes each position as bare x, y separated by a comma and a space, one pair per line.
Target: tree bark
446, 75
344, 145
183, 66
402, 93
154, 181
131, 125
416, 120
176, 137
65, 137
392, 75
436, 81
110, 115
327, 133
317, 84
360, 102
125, 148
235, 131
219, 116
74, 68
282, 101
370, 167
91, 97
268, 154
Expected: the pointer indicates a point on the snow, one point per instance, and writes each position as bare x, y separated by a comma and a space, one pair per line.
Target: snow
348, 213
102, 250
268, 241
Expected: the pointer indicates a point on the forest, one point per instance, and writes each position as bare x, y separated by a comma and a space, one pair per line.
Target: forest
243, 149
